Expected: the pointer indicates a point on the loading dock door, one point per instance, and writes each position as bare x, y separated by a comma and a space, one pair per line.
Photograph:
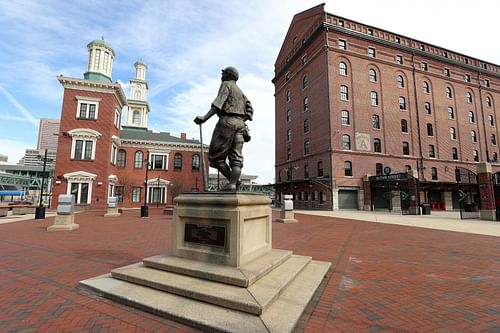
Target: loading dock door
348, 199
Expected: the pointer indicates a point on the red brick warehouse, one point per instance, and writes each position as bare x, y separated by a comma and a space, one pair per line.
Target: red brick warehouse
354, 101
98, 158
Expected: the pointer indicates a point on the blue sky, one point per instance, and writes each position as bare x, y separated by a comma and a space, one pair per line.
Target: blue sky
185, 44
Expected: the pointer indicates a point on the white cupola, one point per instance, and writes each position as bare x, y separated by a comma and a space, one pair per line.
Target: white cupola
138, 107
100, 64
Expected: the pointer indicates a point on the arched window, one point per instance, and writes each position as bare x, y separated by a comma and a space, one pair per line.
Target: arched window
136, 118
122, 156
488, 101
288, 96
342, 68
432, 151
490, 120
493, 139
178, 161
372, 75
374, 98
402, 103
475, 155
288, 115
344, 93
195, 162
320, 168
376, 121
430, 131
346, 142
404, 126
348, 168
434, 173
451, 113
425, 87
307, 147
306, 125
427, 108
472, 119
473, 136
345, 117
407, 168
138, 159
289, 135
453, 133
305, 82
468, 96
454, 153
448, 92
406, 148
306, 104
401, 81
377, 145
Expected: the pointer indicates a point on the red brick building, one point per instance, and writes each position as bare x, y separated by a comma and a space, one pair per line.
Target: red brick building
97, 158
354, 101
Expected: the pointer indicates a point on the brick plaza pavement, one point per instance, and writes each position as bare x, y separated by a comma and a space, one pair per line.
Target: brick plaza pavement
384, 278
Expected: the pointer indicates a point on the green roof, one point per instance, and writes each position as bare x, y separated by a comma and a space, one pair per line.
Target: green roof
140, 62
93, 76
131, 134
101, 42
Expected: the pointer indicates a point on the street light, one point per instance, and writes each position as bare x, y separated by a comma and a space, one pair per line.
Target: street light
40, 210
144, 209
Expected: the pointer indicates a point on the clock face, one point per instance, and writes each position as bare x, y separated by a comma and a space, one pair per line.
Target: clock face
138, 87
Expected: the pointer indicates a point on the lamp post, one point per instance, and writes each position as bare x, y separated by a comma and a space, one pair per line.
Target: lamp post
40, 210
144, 209
158, 193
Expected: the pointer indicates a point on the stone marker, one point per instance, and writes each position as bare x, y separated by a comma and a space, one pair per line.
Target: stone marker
286, 214
112, 207
65, 219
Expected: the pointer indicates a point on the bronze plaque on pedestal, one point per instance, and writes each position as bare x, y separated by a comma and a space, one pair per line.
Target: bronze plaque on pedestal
205, 234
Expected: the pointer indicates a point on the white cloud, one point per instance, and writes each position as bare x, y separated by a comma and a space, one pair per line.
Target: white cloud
14, 149
27, 115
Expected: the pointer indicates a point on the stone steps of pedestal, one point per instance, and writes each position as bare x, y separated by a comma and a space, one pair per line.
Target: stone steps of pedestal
280, 316
242, 276
253, 299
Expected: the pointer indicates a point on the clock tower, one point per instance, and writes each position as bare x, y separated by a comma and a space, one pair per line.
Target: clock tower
138, 107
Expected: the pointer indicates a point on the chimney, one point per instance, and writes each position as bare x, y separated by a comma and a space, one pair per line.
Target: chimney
183, 136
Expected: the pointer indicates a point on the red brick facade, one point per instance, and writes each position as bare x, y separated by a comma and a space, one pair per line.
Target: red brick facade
321, 54
101, 177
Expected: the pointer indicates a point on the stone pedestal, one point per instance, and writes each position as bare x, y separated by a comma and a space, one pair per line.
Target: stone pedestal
222, 275
64, 223
286, 214
112, 211
65, 219
223, 228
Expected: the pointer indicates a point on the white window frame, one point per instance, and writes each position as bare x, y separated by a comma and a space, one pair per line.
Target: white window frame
114, 152
117, 119
164, 161
87, 100
80, 177
372, 52
136, 197
85, 134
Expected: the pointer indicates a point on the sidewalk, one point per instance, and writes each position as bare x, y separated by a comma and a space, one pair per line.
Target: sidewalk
440, 220
16, 218
384, 277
